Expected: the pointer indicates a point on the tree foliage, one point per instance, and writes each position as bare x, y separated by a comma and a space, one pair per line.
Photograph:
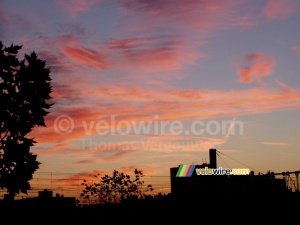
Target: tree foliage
116, 188
24, 90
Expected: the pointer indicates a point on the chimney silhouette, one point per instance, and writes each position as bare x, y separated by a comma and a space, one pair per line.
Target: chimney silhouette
213, 158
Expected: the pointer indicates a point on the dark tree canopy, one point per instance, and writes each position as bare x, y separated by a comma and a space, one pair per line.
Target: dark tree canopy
116, 188
24, 90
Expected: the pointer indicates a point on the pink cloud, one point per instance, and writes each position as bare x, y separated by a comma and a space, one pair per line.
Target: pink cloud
49, 49
171, 53
61, 92
204, 14
155, 101
296, 49
56, 62
73, 7
254, 66
156, 54
151, 54
11, 20
85, 56
280, 9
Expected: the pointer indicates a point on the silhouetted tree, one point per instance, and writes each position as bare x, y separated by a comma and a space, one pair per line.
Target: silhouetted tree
24, 91
116, 188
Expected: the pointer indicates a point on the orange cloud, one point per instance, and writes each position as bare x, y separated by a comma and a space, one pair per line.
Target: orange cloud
130, 104
60, 146
90, 177
52, 134
275, 143
84, 162
254, 66
69, 185
280, 9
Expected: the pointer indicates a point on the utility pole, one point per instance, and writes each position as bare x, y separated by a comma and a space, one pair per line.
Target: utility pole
287, 174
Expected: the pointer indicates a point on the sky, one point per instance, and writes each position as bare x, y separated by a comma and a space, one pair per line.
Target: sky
155, 84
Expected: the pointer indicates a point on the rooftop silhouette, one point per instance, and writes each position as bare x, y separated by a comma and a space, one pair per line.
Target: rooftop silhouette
197, 180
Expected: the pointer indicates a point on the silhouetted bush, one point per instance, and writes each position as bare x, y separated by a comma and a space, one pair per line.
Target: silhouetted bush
118, 188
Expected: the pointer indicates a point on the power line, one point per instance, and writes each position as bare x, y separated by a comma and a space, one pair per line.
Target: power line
239, 162
223, 160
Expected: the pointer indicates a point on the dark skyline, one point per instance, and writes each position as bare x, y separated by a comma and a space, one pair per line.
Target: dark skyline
155, 84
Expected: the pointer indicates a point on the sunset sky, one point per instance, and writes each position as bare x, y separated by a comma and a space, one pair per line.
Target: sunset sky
199, 74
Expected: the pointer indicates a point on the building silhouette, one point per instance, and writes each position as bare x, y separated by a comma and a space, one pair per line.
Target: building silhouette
45, 199
186, 182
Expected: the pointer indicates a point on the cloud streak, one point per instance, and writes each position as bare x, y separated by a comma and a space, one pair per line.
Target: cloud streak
283, 144
146, 104
74, 7
156, 54
85, 56
280, 9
